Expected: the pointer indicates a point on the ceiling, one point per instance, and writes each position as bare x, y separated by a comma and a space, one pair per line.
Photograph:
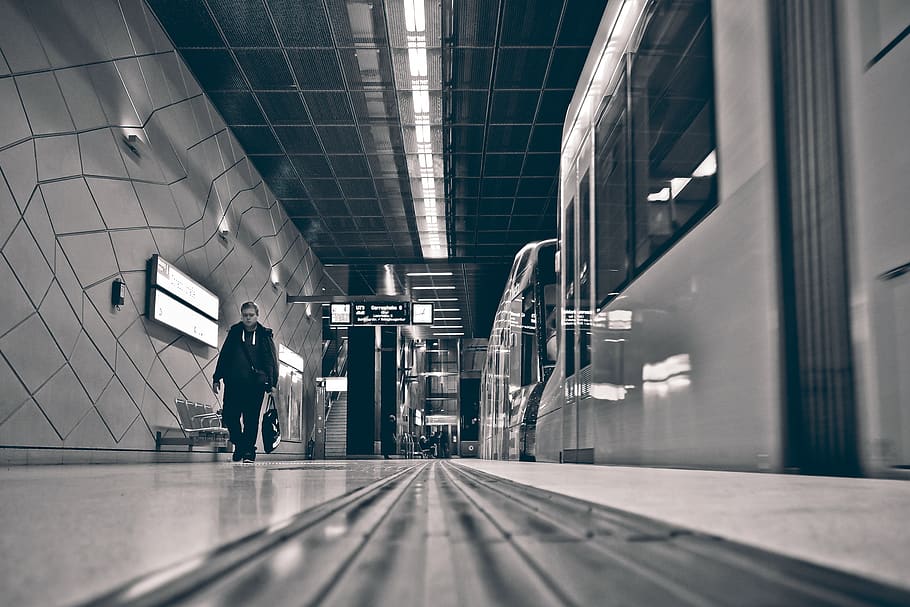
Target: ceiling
312, 91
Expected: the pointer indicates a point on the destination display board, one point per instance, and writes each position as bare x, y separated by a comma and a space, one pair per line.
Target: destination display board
164, 275
169, 311
382, 313
176, 300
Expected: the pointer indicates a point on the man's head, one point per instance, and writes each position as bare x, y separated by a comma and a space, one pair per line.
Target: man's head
249, 314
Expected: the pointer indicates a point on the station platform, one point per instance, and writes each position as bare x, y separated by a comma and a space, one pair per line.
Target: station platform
446, 532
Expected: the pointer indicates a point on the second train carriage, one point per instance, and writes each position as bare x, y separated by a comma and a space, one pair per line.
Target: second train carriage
521, 354
709, 221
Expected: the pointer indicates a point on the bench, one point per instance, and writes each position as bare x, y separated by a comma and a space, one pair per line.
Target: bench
200, 424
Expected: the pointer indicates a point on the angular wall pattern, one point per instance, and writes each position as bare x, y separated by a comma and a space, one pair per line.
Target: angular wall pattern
81, 204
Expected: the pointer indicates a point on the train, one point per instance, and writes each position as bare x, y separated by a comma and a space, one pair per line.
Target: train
729, 288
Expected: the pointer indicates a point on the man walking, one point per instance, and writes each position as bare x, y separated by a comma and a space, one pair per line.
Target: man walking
248, 365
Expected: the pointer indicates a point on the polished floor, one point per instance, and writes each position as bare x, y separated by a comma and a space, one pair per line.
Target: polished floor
446, 533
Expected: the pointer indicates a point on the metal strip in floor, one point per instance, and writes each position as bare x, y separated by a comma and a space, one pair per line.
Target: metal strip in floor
442, 534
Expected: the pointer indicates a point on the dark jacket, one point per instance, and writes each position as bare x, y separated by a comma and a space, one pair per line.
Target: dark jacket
233, 365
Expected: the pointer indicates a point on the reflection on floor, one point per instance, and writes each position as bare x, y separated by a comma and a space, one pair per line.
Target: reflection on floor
420, 532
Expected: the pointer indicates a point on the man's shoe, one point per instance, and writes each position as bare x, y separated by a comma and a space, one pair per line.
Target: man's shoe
247, 459
237, 455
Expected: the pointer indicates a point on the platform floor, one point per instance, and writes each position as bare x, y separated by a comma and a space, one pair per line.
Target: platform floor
446, 533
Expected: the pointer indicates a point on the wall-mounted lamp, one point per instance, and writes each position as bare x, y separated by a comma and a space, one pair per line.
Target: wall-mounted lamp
132, 142
118, 293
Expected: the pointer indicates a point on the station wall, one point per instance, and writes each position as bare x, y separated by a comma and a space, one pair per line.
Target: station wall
79, 379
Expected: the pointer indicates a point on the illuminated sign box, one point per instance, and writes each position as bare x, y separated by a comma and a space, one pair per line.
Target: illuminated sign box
164, 275
290, 358
169, 311
340, 314
441, 420
382, 313
422, 313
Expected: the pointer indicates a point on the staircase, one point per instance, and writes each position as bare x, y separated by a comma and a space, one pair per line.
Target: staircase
336, 429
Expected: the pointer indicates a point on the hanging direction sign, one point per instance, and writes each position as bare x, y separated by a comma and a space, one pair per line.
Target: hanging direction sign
382, 313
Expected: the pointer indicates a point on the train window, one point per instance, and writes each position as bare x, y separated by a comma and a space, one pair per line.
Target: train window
568, 273
583, 313
611, 193
673, 135
529, 366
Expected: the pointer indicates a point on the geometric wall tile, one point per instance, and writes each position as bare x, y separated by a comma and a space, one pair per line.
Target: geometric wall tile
157, 81
133, 381
67, 280
138, 436
113, 96
90, 367
55, 29
181, 364
14, 393
135, 342
169, 242
60, 318
14, 302
133, 248
40, 224
9, 212
32, 352
101, 153
81, 98
154, 410
134, 80
91, 255
90, 433
44, 104
20, 170
100, 333
29, 427
118, 203
71, 207
63, 401
58, 157
28, 263
117, 409
157, 202
161, 382
13, 125
21, 46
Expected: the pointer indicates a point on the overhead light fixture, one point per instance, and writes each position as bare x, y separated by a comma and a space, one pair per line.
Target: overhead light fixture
448, 319
441, 334
429, 273
448, 309
439, 299
444, 288
448, 327
424, 163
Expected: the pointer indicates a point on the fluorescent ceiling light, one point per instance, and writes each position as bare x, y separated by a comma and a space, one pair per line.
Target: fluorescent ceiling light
439, 299
448, 309
448, 319
445, 288
448, 327
439, 334
429, 273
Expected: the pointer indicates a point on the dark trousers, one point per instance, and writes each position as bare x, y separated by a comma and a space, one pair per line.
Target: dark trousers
242, 401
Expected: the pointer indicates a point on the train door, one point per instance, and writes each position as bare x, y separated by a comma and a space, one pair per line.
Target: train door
577, 283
